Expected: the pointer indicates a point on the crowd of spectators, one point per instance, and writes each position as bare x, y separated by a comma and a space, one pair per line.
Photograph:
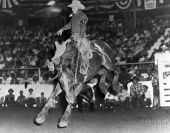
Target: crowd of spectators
22, 101
22, 48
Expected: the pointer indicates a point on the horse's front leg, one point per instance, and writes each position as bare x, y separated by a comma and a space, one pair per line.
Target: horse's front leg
41, 117
70, 97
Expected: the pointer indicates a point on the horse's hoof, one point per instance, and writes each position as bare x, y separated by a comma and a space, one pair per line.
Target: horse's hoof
63, 124
39, 120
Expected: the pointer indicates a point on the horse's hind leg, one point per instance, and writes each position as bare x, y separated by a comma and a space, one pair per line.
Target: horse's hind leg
41, 117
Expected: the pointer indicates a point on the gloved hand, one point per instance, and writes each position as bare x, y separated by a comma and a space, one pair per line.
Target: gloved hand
60, 32
50, 65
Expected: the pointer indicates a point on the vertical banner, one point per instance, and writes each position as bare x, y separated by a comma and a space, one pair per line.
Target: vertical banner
164, 78
139, 3
150, 4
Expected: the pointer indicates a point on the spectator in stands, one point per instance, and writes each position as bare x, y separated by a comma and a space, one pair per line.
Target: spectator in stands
135, 92
1, 101
143, 57
10, 99
139, 76
14, 79
164, 49
30, 100
103, 84
124, 98
2, 64
41, 101
115, 83
5, 79
21, 99
146, 96
124, 77
155, 84
1, 98
35, 80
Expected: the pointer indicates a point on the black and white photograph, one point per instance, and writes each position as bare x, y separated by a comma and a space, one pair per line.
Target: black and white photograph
84, 66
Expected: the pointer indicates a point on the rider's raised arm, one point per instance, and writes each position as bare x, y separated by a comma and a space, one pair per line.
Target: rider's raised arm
67, 26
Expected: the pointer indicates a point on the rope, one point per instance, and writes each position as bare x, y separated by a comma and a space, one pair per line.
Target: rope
75, 77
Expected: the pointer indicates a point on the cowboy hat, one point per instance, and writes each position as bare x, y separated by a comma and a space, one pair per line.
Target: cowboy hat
11, 90
30, 89
77, 3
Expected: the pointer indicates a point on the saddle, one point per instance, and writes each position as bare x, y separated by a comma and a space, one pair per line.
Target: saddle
66, 53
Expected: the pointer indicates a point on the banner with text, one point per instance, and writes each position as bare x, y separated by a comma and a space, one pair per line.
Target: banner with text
150, 4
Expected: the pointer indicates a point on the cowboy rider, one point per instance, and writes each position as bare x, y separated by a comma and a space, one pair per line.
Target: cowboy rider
78, 21
78, 28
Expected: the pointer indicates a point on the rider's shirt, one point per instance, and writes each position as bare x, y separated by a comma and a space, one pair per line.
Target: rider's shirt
77, 24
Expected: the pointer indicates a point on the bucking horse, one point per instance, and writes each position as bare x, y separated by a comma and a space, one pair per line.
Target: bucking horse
70, 77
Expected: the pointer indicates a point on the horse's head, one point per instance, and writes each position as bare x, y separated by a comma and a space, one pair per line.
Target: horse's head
108, 55
60, 49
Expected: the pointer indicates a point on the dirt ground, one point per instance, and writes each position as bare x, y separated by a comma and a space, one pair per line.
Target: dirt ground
14, 120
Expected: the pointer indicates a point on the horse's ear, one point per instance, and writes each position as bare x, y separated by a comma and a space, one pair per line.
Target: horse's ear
47, 62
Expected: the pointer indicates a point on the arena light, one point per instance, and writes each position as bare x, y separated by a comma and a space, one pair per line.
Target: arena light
50, 3
56, 10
